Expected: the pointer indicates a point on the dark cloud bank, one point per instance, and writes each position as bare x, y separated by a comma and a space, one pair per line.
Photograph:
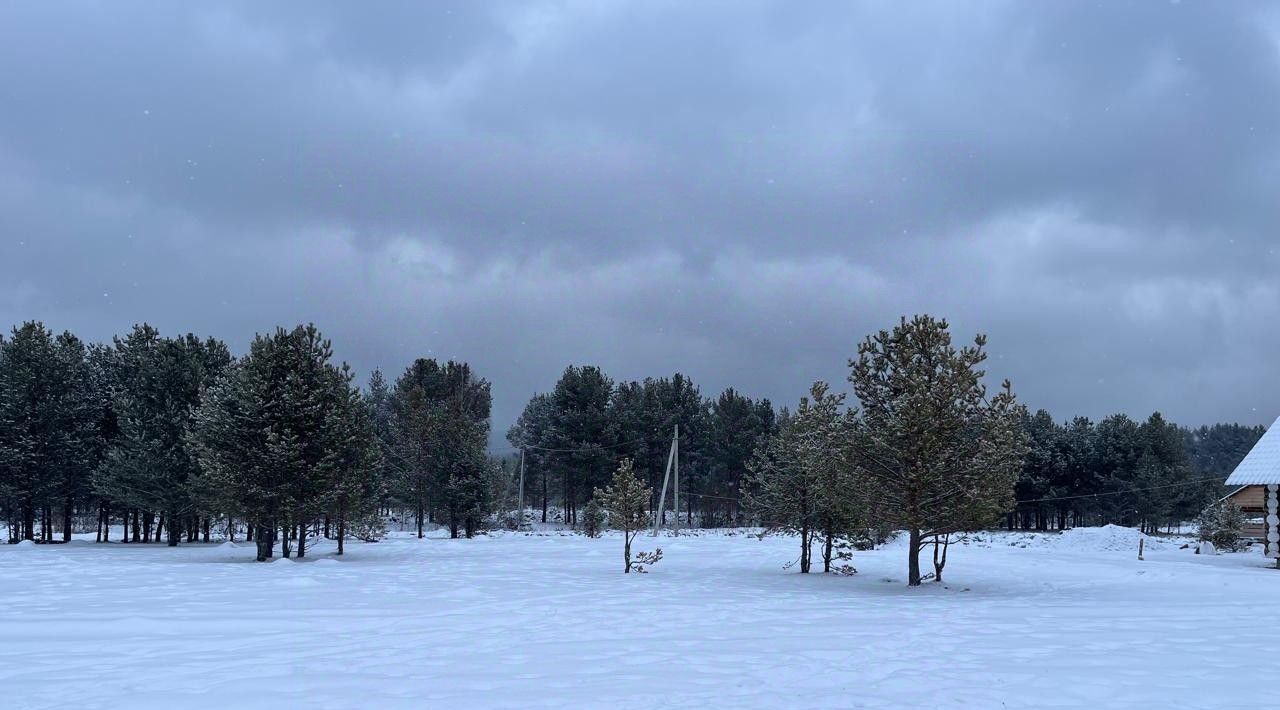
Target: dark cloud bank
738, 191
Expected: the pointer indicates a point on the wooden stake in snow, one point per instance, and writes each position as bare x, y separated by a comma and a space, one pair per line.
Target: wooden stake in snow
1140, 541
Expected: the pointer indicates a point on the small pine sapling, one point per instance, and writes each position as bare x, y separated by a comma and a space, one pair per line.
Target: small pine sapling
625, 501
1223, 525
592, 518
838, 556
646, 559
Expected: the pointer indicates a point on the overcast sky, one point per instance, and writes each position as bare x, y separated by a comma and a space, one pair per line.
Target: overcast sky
739, 191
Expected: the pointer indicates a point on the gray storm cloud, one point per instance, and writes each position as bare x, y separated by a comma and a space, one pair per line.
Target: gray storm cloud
738, 191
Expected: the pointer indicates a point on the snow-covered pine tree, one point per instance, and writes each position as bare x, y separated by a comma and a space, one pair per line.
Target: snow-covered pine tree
80, 439
354, 459
468, 493
440, 427
625, 502
574, 436
936, 454
377, 399
1165, 470
158, 383
593, 518
532, 433
312, 387
581, 429
782, 494
229, 439
264, 439
1222, 523
801, 481
672, 401
48, 428
738, 427
1040, 468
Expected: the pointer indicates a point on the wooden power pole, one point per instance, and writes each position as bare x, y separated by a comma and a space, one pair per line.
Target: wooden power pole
675, 447
672, 460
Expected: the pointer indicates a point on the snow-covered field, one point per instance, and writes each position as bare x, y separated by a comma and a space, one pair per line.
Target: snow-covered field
1024, 620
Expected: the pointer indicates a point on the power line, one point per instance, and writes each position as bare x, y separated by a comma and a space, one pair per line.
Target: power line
600, 447
1035, 500
1127, 490
593, 447
708, 495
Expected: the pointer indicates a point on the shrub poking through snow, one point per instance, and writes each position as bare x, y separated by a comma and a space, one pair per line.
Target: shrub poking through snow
369, 527
592, 518
625, 501
1223, 525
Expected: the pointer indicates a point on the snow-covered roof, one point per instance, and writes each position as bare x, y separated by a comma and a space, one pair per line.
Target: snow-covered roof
1262, 464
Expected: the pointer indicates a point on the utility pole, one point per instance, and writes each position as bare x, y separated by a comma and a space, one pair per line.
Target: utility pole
675, 448
520, 494
662, 499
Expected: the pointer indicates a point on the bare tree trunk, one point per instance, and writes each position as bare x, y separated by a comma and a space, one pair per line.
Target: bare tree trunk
627, 536
342, 526
175, 530
826, 553
66, 519
420, 513
913, 558
940, 562
285, 548
806, 550
262, 535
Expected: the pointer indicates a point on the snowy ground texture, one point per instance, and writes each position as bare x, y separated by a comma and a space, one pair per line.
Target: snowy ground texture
1072, 620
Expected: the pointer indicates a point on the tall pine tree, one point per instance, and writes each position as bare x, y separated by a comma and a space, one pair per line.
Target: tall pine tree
938, 456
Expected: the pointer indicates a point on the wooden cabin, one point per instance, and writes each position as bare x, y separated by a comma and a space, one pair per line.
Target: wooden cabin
1252, 501
1258, 476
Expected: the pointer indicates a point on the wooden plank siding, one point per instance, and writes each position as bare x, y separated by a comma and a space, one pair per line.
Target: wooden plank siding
1253, 501
1250, 499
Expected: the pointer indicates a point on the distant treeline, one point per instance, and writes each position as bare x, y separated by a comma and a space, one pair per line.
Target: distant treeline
172, 436
169, 437
1151, 475
574, 437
